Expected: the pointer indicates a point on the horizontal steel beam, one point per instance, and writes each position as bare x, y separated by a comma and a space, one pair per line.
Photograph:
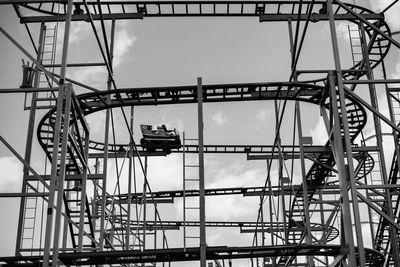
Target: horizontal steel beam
28, 90
11, 2
82, 17
75, 65
23, 194
69, 177
315, 17
190, 254
262, 18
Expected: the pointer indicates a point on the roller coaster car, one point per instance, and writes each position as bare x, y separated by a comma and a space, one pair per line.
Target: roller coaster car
160, 138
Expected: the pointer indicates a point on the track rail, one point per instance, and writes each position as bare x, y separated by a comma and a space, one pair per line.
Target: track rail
374, 258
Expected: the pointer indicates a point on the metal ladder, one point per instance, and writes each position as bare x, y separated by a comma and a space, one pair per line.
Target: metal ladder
31, 203
355, 44
189, 182
30, 218
46, 100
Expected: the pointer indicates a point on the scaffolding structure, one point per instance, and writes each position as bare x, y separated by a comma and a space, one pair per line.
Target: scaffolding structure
319, 221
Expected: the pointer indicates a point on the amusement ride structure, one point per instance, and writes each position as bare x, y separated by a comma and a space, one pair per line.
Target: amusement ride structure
69, 217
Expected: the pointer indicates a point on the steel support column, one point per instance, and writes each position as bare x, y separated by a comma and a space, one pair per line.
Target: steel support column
347, 143
106, 137
347, 241
57, 172
83, 195
65, 119
130, 176
28, 147
304, 183
203, 257
378, 133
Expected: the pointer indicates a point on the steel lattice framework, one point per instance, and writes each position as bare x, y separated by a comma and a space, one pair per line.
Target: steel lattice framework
94, 227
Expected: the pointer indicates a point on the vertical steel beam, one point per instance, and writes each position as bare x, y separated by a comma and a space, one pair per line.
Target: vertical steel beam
62, 171
64, 56
277, 142
105, 157
203, 257
29, 140
346, 136
104, 180
271, 214
347, 241
144, 205
378, 133
184, 190
130, 176
58, 179
323, 222
53, 178
304, 183
83, 194
65, 222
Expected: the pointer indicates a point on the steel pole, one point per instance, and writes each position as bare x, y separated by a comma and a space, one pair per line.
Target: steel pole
62, 171
203, 257
347, 241
28, 147
347, 142
105, 157
304, 183
378, 132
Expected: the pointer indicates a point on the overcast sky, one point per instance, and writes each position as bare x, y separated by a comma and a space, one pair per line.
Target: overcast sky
175, 51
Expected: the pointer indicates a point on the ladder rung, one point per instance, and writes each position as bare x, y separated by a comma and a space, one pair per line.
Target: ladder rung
191, 166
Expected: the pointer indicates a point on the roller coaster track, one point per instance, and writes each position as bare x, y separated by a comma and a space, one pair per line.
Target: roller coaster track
266, 10
94, 102
310, 92
190, 254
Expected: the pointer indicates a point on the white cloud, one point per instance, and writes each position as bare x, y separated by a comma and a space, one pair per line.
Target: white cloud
97, 76
94, 76
96, 122
318, 133
219, 119
342, 31
78, 32
123, 43
10, 175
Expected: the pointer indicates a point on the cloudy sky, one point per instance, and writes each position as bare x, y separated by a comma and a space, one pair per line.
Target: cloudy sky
175, 51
